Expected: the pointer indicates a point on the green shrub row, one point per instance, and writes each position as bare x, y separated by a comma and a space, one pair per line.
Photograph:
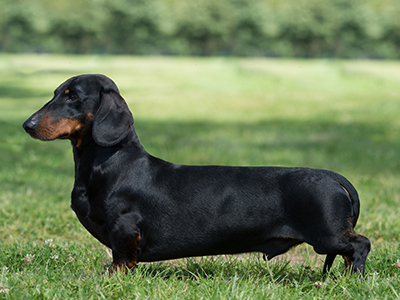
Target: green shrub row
291, 28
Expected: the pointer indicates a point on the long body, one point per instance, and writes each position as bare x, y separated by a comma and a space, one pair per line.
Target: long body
147, 209
207, 210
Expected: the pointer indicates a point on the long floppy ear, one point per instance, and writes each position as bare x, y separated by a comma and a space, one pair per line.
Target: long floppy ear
112, 120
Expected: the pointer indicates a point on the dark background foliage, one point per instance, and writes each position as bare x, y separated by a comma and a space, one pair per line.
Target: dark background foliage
285, 28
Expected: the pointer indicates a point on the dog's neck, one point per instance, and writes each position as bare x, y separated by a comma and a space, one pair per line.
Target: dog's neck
133, 138
93, 154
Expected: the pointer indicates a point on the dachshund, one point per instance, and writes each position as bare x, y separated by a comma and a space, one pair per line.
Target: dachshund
146, 209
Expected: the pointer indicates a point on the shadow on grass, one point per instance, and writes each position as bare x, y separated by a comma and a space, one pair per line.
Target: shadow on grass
230, 269
353, 147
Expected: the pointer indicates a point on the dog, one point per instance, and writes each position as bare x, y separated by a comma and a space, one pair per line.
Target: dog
147, 209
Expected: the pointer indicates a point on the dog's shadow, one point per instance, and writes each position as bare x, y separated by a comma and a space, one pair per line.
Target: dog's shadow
230, 269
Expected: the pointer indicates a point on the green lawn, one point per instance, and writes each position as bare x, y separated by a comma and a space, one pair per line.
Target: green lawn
338, 115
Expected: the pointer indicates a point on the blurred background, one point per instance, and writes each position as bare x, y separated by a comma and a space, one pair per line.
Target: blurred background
272, 28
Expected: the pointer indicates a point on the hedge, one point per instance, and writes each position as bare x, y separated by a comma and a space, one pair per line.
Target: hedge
289, 28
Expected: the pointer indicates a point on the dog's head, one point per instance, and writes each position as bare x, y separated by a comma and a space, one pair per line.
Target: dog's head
83, 106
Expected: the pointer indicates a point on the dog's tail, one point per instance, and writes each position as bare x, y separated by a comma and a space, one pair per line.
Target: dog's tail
351, 192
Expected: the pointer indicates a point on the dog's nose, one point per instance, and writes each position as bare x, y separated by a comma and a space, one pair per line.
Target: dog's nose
30, 125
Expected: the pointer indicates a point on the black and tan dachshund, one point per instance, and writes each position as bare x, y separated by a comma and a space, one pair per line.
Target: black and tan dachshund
146, 209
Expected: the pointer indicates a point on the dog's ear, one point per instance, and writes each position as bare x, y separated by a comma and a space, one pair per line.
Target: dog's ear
112, 120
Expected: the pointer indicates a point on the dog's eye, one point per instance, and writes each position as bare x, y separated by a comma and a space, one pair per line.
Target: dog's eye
72, 97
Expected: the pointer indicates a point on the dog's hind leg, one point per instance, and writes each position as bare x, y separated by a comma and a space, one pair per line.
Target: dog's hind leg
356, 261
353, 247
354, 252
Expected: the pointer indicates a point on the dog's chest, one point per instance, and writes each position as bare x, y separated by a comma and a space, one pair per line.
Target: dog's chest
85, 204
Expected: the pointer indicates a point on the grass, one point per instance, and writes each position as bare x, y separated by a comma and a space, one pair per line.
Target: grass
338, 115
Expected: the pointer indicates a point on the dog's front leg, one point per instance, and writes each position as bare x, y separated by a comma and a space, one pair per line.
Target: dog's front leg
124, 255
124, 244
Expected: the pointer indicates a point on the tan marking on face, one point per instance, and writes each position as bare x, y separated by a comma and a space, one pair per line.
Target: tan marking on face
50, 129
66, 91
80, 131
